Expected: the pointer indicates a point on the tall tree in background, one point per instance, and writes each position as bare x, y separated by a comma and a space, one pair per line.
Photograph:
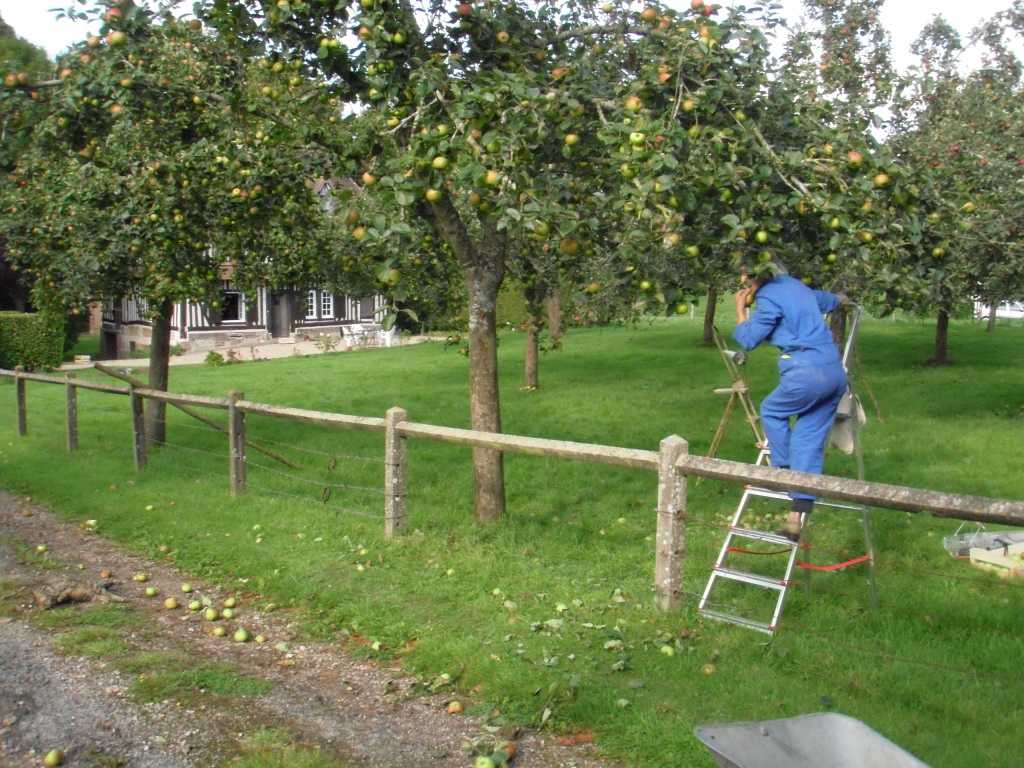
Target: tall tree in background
963, 132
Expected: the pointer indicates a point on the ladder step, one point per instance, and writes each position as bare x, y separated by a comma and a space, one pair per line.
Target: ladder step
771, 538
750, 578
768, 493
728, 617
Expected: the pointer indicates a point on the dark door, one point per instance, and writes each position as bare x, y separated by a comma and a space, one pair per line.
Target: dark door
280, 315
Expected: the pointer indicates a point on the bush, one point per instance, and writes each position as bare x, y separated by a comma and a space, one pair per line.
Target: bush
33, 341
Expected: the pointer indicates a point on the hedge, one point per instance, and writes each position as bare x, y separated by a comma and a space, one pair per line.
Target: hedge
33, 341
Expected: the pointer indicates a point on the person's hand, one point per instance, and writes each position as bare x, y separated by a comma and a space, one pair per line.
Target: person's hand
743, 299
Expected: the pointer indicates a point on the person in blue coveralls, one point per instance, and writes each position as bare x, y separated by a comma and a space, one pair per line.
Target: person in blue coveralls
799, 412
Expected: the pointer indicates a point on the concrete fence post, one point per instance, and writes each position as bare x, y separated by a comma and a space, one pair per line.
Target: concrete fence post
236, 443
72, 413
395, 465
138, 429
19, 387
669, 548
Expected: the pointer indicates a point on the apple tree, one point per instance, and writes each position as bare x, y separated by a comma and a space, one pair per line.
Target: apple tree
158, 166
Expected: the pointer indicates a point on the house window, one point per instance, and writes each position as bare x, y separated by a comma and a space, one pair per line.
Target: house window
326, 305
311, 306
232, 308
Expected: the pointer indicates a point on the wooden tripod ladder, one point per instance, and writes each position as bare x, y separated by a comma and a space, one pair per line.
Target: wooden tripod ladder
738, 393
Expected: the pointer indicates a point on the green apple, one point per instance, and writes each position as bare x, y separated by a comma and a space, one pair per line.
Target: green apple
151, 592
230, 602
219, 632
242, 635
195, 606
212, 614
186, 588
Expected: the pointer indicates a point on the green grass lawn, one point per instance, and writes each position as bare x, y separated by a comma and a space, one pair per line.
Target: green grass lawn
548, 616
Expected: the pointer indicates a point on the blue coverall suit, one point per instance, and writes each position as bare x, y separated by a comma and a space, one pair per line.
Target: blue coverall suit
788, 315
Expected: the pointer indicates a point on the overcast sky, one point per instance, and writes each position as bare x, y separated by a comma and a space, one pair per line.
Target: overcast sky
903, 19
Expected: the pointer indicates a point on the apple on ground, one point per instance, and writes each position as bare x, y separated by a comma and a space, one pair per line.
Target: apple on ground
170, 604
230, 602
151, 591
212, 614
220, 631
53, 758
242, 635
186, 588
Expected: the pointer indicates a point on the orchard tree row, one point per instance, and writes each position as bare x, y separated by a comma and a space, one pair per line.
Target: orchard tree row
631, 155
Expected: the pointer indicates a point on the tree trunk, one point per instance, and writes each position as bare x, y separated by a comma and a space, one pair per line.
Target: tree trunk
708, 338
941, 339
535, 290
554, 313
530, 373
483, 264
159, 373
990, 324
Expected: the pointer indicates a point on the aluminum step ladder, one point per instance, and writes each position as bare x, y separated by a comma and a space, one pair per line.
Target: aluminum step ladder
763, 542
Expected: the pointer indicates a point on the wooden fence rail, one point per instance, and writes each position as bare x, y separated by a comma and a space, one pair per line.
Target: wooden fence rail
672, 462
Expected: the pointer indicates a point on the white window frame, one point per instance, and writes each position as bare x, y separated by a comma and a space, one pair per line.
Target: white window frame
241, 307
326, 305
311, 305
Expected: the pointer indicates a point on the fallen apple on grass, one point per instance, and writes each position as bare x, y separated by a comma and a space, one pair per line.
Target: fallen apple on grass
152, 592
242, 635
212, 614
219, 632
53, 758
170, 603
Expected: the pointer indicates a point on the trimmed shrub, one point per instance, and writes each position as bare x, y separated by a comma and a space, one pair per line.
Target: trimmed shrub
33, 341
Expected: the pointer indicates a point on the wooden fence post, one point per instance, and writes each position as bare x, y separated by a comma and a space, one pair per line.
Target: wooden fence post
395, 462
72, 413
138, 429
236, 443
668, 558
19, 386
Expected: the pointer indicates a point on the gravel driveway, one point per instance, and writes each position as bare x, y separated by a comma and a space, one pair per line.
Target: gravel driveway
358, 712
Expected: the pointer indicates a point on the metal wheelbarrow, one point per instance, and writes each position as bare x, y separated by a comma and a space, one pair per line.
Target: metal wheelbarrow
825, 740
